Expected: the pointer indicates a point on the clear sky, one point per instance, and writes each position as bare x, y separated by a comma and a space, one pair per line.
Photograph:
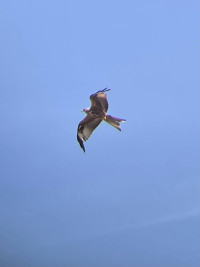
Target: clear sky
132, 200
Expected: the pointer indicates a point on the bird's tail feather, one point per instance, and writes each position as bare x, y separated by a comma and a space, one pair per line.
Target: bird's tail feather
114, 121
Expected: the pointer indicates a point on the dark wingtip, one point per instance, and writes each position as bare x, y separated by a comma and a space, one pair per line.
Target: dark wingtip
103, 91
106, 89
81, 143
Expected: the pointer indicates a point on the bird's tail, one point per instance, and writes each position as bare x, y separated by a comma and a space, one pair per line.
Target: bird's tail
114, 121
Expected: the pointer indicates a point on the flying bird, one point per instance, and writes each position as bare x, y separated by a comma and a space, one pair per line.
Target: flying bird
95, 115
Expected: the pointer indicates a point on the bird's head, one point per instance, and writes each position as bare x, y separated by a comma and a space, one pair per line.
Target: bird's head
86, 110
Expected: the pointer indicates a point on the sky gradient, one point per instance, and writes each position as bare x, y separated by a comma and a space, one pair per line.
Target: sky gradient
133, 198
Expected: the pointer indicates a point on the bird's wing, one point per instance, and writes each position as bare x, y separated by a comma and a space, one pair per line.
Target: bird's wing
99, 101
85, 129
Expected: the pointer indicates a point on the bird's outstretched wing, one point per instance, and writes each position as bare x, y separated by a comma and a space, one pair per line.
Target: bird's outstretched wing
85, 129
99, 101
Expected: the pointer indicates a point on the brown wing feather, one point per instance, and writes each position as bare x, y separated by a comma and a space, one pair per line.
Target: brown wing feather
85, 129
99, 101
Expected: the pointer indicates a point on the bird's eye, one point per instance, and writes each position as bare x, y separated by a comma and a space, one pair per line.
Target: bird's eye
80, 127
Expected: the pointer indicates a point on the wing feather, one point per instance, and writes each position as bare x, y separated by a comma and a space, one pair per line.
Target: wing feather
85, 129
99, 101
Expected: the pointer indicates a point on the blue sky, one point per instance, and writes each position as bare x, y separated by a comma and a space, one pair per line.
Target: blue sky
133, 198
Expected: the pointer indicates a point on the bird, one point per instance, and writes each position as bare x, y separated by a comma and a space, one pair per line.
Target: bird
95, 115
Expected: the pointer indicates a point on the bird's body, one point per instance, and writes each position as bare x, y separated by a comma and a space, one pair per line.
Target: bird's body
95, 115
